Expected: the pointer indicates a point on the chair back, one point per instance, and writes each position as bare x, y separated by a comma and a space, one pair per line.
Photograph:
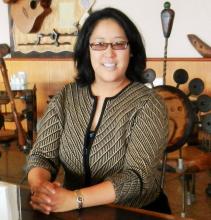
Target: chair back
4, 49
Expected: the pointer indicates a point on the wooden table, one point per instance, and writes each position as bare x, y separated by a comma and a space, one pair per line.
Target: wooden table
106, 212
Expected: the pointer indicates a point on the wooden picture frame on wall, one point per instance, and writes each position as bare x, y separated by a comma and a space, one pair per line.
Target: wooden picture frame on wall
45, 28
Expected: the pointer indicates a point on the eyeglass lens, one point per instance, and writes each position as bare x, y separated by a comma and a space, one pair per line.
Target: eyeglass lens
115, 46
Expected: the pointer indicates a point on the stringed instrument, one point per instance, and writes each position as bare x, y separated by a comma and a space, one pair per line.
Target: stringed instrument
28, 15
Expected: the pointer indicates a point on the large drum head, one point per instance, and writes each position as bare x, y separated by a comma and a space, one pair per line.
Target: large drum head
181, 116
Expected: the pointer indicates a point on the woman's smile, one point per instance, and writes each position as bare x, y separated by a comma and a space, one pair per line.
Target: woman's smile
110, 66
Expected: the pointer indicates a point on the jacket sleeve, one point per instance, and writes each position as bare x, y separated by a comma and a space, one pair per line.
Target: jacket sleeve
147, 140
46, 147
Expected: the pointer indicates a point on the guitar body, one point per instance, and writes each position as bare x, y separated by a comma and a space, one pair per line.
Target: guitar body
28, 15
9, 1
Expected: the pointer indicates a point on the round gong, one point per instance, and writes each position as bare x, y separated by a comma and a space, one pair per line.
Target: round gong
204, 103
196, 86
206, 123
180, 113
180, 76
149, 75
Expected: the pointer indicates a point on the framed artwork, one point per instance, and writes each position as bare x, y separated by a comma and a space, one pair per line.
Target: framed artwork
45, 28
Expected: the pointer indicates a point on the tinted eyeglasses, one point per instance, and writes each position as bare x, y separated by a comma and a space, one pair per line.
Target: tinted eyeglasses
119, 45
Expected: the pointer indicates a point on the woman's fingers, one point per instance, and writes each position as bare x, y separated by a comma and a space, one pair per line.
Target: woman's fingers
47, 197
49, 187
41, 207
41, 198
56, 183
45, 188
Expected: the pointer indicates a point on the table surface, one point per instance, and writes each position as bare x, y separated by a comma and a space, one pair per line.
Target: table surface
106, 212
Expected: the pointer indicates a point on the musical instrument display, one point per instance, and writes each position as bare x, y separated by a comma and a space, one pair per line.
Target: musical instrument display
28, 15
45, 28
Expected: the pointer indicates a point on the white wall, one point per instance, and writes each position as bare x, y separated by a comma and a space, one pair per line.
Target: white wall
191, 17
4, 24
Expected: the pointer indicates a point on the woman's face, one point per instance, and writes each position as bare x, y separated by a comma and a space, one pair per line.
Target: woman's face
109, 64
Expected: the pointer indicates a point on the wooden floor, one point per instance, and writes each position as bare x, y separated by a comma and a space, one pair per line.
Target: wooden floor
12, 163
200, 209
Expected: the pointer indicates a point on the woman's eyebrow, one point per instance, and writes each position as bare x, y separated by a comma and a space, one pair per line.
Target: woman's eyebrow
114, 38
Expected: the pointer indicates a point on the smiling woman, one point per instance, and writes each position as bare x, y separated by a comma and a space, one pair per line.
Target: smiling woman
109, 63
107, 129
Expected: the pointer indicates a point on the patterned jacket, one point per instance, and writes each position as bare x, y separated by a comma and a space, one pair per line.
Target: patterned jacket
129, 141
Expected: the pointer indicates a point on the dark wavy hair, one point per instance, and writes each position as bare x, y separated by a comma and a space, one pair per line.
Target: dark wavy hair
137, 64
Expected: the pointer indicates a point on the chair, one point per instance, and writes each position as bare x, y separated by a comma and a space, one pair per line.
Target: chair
1, 125
1, 120
6, 135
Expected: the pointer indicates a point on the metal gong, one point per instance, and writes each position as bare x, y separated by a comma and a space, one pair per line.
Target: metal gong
181, 115
204, 103
149, 75
206, 123
196, 86
180, 76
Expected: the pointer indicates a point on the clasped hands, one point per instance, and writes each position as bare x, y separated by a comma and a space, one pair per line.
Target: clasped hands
48, 197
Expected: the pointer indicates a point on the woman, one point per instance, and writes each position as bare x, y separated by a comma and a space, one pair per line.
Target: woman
107, 129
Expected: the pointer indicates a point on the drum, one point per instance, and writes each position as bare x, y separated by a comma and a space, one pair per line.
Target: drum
181, 116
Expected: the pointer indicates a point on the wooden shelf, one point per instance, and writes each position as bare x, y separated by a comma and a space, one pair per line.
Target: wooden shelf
188, 59
38, 59
156, 59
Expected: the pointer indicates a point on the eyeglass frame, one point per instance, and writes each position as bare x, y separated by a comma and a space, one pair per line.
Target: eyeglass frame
112, 44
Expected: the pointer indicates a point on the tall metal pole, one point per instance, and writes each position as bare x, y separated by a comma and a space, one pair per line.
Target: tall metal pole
167, 18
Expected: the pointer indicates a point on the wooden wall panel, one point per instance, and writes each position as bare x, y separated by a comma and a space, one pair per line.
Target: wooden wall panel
50, 75
196, 68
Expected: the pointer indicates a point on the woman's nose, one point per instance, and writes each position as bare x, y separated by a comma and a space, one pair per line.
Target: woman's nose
109, 51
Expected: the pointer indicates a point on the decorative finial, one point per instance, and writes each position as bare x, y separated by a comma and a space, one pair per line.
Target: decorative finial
167, 5
167, 17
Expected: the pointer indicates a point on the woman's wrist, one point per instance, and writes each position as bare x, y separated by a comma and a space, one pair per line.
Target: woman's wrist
79, 199
37, 175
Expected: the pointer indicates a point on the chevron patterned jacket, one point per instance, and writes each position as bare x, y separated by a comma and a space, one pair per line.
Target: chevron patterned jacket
129, 141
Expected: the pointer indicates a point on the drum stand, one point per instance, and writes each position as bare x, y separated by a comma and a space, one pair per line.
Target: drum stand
188, 184
188, 181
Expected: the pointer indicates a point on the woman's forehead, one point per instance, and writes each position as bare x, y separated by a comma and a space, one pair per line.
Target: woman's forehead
107, 28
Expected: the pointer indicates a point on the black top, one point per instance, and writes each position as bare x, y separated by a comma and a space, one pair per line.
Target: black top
87, 147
